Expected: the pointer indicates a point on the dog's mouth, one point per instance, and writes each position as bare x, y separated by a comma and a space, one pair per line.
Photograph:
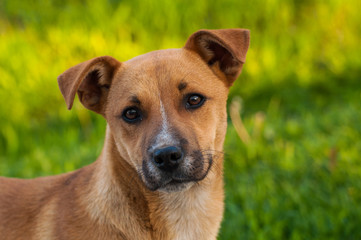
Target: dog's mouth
194, 169
176, 185
169, 183
173, 185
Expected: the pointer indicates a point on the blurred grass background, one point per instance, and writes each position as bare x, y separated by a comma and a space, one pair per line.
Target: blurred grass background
297, 176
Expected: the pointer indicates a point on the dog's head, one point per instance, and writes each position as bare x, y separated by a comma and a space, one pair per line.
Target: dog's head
166, 109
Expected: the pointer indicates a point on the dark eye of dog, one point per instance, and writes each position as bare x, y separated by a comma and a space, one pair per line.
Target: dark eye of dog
132, 115
194, 101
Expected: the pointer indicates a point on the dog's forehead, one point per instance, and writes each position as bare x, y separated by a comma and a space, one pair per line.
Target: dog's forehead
159, 57
163, 66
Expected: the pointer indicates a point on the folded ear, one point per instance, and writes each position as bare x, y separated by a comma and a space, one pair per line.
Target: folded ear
91, 80
224, 50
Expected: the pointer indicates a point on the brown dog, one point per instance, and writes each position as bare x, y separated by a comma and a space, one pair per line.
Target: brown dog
160, 172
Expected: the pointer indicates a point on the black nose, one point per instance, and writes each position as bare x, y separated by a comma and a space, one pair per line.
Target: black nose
167, 158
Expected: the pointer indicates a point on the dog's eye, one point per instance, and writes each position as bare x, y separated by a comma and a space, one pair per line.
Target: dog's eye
132, 115
194, 101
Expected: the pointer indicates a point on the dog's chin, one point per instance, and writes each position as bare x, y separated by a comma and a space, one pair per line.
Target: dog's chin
169, 186
175, 186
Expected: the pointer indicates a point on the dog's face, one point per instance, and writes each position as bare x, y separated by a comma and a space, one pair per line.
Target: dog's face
166, 109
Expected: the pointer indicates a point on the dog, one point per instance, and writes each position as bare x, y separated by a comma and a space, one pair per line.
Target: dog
160, 173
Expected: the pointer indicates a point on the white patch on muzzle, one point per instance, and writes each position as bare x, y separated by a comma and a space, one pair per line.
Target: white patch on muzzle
164, 137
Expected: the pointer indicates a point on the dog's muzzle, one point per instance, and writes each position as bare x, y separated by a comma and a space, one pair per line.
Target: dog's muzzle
172, 168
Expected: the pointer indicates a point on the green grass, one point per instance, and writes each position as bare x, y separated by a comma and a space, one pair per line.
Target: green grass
299, 177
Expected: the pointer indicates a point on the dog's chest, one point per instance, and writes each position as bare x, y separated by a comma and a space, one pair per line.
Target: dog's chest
192, 217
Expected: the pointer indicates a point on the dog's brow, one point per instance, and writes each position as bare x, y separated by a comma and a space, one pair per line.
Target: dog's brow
181, 86
134, 99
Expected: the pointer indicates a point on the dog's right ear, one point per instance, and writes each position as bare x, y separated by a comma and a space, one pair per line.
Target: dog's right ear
221, 49
91, 80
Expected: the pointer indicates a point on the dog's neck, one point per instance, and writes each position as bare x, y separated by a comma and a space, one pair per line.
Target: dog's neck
165, 215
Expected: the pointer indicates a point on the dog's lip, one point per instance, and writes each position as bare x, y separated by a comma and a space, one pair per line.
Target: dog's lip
171, 182
175, 181
178, 179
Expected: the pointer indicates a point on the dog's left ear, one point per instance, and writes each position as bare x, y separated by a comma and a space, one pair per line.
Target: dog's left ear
224, 50
91, 80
